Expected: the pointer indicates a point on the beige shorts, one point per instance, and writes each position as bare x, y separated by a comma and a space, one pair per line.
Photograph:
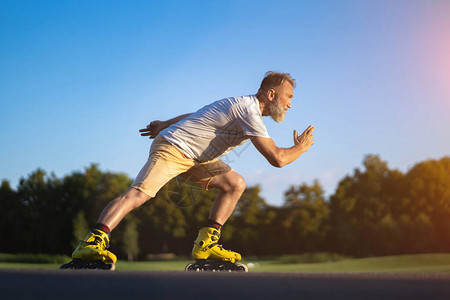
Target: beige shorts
167, 161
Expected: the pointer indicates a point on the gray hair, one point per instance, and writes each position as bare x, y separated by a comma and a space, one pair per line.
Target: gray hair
274, 79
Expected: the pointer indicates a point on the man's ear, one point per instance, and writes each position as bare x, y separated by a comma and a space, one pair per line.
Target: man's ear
270, 94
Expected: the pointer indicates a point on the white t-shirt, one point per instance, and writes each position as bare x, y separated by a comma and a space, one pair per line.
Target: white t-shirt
217, 128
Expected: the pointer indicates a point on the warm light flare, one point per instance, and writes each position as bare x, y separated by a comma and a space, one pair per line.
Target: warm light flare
433, 45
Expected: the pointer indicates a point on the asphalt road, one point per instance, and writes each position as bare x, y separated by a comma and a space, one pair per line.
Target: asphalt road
78, 284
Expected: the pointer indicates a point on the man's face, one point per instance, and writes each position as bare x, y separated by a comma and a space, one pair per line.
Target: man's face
281, 101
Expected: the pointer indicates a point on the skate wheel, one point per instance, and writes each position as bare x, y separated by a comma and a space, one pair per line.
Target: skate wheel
242, 267
112, 267
190, 267
78, 264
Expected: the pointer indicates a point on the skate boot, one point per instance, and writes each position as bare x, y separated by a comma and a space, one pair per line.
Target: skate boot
91, 253
210, 256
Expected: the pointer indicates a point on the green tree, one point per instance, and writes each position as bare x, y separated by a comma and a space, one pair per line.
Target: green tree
130, 239
93, 189
79, 228
45, 215
305, 218
11, 211
359, 206
427, 205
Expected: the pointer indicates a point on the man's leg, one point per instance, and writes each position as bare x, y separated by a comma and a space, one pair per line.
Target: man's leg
118, 208
164, 163
94, 246
231, 185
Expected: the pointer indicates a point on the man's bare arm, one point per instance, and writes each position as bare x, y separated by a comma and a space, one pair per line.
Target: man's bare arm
279, 157
155, 127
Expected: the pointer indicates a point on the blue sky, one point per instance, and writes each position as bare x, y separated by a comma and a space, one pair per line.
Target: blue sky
80, 78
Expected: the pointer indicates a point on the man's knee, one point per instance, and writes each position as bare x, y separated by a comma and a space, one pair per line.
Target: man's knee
239, 183
230, 182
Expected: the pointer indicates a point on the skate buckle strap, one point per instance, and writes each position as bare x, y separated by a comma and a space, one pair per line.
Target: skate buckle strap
101, 233
95, 242
98, 239
215, 244
211, 245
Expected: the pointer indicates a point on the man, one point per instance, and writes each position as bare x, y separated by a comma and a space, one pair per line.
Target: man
190, 145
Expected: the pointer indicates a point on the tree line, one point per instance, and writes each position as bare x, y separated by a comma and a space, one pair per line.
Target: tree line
373, 211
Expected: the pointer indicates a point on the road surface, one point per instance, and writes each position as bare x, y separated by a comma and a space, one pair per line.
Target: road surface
90, 284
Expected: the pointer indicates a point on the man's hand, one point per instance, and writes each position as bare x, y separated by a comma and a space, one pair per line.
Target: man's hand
305, 139
153, 129
279, 157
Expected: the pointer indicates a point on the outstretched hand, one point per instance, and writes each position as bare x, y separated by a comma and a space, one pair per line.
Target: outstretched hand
305, 139
153, 129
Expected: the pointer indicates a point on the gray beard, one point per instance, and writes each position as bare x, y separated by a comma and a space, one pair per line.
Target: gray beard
276, 111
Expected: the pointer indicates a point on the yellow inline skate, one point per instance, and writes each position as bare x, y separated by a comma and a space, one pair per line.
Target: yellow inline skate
210, 256
91, 253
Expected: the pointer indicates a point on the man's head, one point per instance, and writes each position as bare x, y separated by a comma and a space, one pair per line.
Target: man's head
276, 92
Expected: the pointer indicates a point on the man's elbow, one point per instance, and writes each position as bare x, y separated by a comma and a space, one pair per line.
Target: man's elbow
277, 162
